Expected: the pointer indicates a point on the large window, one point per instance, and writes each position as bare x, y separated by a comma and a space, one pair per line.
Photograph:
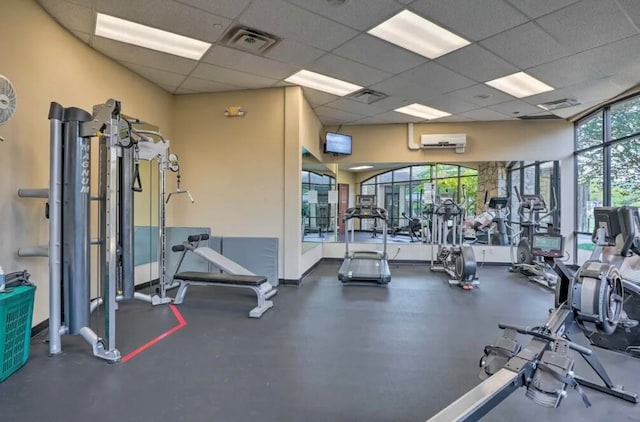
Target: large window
400, 190
607, 145
317, 217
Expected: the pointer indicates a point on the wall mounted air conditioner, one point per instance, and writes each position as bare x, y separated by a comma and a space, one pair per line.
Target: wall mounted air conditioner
447, 140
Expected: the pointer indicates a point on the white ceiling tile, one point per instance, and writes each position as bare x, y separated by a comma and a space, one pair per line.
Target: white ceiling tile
317, 98
347, 70
632, 9
169, 16
290, 21
138, 55
592, 64
588, 24
392, 102
84, 37
526, 46
515, 108
477, 63
70, 15
239, 60
157, 76
231, 77
289, 51
481, 95
227, 8
85, 3
359, 14
472, 19
537, 8
351, 106
485, 114
450, 103
431, 78
336, 115
374, 120
376, 53
596, 91
191, 85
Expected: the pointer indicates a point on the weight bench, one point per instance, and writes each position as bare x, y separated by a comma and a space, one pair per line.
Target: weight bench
234, 276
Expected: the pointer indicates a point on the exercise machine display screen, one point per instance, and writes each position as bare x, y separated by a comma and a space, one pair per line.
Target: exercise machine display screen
548, 245
366, 200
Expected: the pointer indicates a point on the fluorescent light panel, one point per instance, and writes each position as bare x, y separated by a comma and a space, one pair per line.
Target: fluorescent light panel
520, 85
145, 36
422, 111
415, 33
322, 83
361, 168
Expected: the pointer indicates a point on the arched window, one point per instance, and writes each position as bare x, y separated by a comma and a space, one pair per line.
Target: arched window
400, 190
316, 216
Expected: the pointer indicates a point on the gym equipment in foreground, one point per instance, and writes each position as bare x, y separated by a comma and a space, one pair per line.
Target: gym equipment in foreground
537, 251
234, 275
69, 213
626, 337
365, 266
589, 302
453, 257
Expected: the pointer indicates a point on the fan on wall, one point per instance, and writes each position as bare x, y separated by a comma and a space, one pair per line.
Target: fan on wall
7, 101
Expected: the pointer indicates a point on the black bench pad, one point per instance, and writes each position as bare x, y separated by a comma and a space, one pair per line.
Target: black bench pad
221, 278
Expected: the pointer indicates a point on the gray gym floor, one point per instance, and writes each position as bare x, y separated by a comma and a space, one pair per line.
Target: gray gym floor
325, 352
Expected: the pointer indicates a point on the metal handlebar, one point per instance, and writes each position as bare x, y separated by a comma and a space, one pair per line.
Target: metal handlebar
535, 332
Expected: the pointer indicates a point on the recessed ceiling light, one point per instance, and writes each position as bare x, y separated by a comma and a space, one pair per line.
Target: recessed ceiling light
520, 85
415, 33
145, 36
422, 111
322, 83
361, 168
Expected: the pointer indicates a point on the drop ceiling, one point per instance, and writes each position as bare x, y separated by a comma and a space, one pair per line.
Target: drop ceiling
588, 50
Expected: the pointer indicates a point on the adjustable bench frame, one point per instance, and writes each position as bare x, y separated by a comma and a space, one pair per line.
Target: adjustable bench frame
235, 275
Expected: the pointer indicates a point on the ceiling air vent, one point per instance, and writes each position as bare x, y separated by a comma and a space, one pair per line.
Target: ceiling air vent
558, 104
367, 96
250, 40
540, 117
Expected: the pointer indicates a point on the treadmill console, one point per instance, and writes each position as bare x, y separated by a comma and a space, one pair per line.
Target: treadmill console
548, 245
534, 201
498, 202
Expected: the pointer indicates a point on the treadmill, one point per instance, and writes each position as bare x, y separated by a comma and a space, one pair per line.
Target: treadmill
369, 266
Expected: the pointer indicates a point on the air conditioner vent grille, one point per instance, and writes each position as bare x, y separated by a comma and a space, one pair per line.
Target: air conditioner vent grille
249, 39
367, 96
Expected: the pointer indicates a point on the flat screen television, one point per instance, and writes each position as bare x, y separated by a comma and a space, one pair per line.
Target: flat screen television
337, 143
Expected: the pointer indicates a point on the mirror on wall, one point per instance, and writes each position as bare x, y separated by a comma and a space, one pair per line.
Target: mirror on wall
318, 183
406, 190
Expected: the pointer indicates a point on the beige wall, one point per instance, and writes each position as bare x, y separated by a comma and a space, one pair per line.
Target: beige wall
242, 171
46, 63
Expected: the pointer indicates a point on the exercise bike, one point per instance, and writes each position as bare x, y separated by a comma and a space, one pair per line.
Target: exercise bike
413, 229
536, 251
453, 257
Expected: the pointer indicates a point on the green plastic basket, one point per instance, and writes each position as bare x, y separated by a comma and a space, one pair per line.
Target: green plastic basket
16, 313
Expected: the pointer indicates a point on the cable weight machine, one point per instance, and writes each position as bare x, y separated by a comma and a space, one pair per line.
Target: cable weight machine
68, 209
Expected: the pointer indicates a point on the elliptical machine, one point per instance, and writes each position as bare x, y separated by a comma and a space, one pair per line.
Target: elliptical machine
536, 251
453, 257
490, 227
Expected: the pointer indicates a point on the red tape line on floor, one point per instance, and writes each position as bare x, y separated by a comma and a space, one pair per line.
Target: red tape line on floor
181, 324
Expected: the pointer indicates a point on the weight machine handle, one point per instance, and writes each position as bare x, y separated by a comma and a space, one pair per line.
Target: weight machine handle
197, 237
177, 248
531, 332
